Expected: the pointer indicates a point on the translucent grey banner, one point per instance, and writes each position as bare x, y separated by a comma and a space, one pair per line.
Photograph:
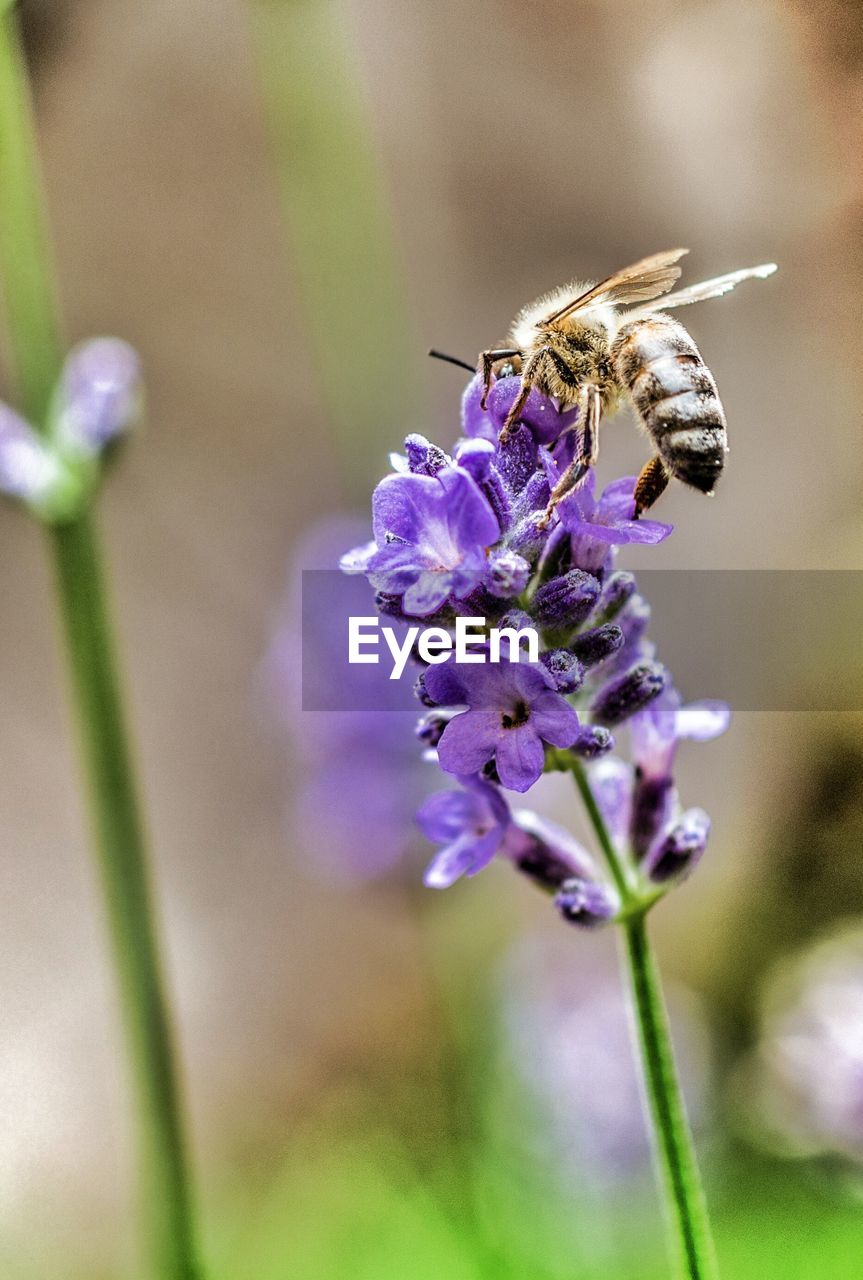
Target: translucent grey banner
761, 640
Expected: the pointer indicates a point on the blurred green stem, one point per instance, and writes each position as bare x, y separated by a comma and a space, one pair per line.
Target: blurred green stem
35, 345
685, 1205
350, 280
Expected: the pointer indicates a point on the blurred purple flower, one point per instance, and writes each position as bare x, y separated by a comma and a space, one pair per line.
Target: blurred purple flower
475, 823
99, 395
470, 824
356, 780
566, 1036
800, 1092
28, 470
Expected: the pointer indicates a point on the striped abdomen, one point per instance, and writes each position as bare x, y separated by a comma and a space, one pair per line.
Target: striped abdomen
675, 396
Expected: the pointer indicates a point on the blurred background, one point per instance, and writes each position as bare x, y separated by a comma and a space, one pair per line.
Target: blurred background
283, 204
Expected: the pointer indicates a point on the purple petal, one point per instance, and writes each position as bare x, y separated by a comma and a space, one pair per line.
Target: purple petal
468, 742
520, 758
474, 420
100, 394
471, 521
702, 721
399, 506
540, 413
447, 814
475, 457
445, 685
465, 856
427, 594
611, 782
617, 500
357, 559
647, 532
554, 719
27, 469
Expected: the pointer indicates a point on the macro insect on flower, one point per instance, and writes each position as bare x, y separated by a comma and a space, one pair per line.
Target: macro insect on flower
509, 528
469, 533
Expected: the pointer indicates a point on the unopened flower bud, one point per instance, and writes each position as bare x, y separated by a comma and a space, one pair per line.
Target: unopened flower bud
593, 740
475, 456
586, 904
618, 588
566, 601
597, 644
626, 694
527, 538
677, 852
564, 668
653, 803
99, 397
508, 573
424, 458
421, 693
516, 458
516, 619
431, 726
533, 498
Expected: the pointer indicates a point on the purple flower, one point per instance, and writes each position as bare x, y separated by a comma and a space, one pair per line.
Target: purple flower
355, 781
595, 524
431, 539
513, 708
470, 824
99, 395
660, 726
567, 1036
645, 820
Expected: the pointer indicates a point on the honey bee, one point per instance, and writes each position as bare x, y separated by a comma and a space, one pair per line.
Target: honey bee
573, 344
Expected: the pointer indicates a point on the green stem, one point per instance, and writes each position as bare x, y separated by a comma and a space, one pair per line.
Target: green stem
36, 348
687, 1209
28, 293
615, 865
685, 1205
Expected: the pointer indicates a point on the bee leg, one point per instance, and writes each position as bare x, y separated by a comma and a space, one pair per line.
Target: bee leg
586, 453
650, 485
528, 374
486, 360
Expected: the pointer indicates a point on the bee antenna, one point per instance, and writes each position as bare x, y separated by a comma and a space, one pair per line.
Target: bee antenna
462, 364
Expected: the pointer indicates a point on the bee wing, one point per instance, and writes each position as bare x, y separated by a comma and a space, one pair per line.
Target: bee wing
648, 278
708, 289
